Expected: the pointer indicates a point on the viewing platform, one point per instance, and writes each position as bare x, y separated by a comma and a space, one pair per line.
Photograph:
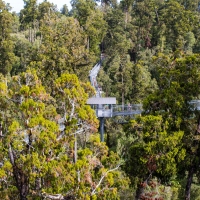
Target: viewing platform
106, 107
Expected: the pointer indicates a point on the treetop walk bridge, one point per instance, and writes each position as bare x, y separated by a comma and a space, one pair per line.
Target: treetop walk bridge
106, 107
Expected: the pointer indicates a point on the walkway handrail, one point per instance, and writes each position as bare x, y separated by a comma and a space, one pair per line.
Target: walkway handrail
127, 109
132, 107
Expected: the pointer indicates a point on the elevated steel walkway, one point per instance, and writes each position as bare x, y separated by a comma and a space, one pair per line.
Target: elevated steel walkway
106, 107
93, 80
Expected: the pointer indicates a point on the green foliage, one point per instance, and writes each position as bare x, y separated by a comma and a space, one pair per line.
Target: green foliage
38, 157
72, 99
65, 10
156, 148
62, 49
46, 8
6, 49
29, 14
92, 21
189, 5
176, 30
178, 82
154, 151
145, 43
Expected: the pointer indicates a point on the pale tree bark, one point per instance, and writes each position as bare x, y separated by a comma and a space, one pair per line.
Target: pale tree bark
102, 177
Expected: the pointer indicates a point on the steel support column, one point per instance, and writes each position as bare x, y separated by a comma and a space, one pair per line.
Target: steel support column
101, 119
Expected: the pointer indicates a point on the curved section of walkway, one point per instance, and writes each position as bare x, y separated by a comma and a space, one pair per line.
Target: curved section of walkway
93, 80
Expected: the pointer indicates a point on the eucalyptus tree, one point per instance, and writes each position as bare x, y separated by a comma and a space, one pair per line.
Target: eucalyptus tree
64, 10
7, 46
143, 21
28, 14
46, 8
62, 49
24, 52
37, 153
115, 41
152, 151
143, 84
178, 22
116, 45
116, 79
127, 5
16, 23
178, 83
91, 18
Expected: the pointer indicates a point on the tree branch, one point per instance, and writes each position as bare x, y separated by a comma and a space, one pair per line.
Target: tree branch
105, 174
53, 196
72, 102
11, 156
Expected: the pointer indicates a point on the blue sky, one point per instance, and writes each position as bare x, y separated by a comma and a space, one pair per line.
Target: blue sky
17, 5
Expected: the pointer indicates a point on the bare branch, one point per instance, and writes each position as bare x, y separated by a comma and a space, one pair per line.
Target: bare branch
104, 175
11, 155
19, 81
53, 196
72, 102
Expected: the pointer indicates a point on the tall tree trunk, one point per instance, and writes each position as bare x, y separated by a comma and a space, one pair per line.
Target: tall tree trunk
189, 183
75, 148
22, 182
88, 43
108, 140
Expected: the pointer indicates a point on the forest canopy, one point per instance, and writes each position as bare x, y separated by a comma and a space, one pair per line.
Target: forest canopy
49, 137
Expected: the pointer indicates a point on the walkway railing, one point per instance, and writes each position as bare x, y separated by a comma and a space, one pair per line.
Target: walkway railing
127, 109
118, 110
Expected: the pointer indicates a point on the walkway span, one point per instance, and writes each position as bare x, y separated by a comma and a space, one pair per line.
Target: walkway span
93, 76
104, 106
